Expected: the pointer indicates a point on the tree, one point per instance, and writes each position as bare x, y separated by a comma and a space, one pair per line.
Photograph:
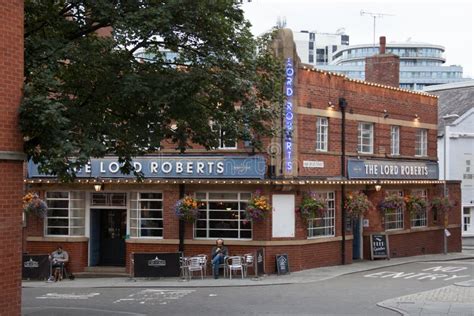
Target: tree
88, 95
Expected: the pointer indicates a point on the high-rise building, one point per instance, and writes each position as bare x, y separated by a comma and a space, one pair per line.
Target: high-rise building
316, 48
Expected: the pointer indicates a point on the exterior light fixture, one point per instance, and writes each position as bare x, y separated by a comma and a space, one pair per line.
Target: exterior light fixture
98, 187
378, 186
417, 117
331, 105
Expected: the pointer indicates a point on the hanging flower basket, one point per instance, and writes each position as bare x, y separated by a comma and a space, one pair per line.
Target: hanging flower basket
357, 204
187, 209
312, 207
257, 208
441, 204
32, 204
415, 205
391, 203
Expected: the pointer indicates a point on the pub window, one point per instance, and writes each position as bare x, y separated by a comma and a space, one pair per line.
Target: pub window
419, 220
395, 140
365, 138
421, 143
322, 134
66, 213
323, 226
394, 219
146, 214
225, 142
222, 215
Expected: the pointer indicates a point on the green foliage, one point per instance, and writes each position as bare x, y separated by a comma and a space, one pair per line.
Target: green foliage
440, 204
89, 96
312, 207
415, 205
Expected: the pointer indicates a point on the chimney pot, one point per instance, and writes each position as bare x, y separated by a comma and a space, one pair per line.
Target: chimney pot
382, 45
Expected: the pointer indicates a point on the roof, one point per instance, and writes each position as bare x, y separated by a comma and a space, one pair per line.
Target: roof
454, 98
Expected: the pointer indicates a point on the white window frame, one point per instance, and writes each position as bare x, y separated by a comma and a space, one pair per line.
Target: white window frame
365, 134
222, 144
322, 132
395, 140
324, 227
419, 220
398, 217
71, 198
421, 142
208, 219
135, 208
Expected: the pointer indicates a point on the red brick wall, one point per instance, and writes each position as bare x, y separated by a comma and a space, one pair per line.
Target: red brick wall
383, 69
11, 171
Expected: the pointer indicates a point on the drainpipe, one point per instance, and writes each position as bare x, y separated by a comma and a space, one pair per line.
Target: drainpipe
342, 106
181, 221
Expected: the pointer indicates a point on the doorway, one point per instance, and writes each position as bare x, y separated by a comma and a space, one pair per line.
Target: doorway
108, 230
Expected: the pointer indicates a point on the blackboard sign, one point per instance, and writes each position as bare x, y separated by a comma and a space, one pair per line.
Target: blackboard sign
379, 246
283, 264
155, 265
35, 267
260, 262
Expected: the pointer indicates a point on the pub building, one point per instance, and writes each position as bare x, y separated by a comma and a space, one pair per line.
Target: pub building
341, 136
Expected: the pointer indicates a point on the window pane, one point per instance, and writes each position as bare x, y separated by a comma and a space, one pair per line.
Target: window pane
151, 196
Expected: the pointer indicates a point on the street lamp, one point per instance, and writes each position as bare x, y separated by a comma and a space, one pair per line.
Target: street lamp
445, 170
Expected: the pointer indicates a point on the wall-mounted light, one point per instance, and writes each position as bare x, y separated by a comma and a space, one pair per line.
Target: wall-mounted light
331, 105
385, 114
378, 186
98, 187
417, 117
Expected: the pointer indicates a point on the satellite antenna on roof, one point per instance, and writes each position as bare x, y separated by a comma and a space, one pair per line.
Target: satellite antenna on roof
375, 15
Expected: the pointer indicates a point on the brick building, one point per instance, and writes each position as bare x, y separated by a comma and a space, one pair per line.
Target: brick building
11, 154
389, 143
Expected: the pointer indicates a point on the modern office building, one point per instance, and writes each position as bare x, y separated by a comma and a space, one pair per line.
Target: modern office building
421, 64
317, 48
456, 120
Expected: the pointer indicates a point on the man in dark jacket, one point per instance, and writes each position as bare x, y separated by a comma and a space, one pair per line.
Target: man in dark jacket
219, 252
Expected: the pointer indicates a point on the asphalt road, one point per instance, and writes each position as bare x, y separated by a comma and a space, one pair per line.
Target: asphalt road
354, 294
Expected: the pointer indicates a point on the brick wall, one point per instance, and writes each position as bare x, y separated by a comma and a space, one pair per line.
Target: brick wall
383, 69
11, 171
78, 252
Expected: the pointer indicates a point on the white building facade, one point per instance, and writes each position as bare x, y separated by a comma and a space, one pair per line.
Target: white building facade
456, 142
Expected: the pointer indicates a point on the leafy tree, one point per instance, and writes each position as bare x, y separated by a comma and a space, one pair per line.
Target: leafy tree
88, 95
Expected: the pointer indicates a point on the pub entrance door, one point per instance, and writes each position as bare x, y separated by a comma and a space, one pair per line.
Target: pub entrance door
108, 229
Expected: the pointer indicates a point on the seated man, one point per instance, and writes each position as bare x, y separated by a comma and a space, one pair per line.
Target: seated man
58, 258
218, 254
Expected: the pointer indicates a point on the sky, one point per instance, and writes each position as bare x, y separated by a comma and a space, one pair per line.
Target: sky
446, 23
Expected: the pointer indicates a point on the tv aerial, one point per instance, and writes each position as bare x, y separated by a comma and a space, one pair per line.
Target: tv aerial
375, 15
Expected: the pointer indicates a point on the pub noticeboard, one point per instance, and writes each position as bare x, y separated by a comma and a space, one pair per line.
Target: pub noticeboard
379, 247
283, 264
35, 267
156, 265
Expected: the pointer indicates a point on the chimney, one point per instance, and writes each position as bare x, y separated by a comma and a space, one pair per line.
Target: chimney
383, 68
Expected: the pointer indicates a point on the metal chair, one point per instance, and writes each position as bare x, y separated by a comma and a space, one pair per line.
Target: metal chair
194, 264
203, 258
248, 261
183, 265
234, 263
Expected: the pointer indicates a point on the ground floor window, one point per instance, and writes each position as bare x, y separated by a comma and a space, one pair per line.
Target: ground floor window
222, 215
466, 219
66, 214
146, 214
419, 220
394, 219
323, 226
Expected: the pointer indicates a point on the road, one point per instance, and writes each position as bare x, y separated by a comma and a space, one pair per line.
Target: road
354, 294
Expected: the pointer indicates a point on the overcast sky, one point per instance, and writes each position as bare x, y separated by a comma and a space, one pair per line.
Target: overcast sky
446, 23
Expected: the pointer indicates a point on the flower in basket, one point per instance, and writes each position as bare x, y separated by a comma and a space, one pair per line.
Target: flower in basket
357, 204
440, 204
312, 207
257, 208
415, 205
187, 209
391, 203
33, 204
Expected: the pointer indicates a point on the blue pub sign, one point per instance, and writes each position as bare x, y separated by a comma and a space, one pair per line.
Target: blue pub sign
391, 169
174, 167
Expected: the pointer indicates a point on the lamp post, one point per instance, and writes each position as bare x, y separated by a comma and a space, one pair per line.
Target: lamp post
445, 177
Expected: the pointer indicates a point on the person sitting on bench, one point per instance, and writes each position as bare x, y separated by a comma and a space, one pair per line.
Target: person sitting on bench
58, 258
